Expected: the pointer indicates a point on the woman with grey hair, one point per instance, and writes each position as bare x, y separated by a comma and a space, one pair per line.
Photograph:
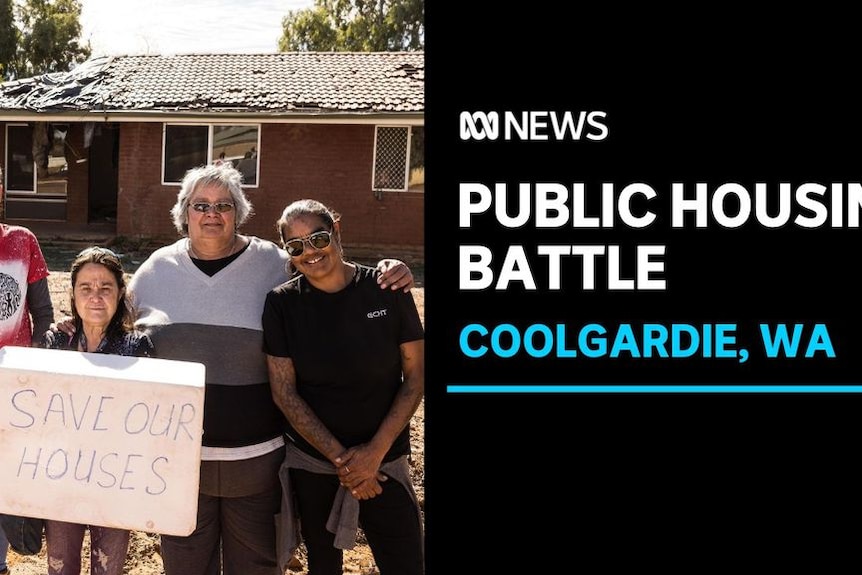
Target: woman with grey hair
200, 299
230, 180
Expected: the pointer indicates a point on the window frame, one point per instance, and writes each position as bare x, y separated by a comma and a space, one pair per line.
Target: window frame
209, 151
410, 159
34, 192
406, 180
7, 163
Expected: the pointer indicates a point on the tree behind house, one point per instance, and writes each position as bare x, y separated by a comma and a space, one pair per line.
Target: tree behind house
355, 26
8, 39
43, 37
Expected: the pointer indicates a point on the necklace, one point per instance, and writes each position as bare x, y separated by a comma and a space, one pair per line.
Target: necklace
349, 274
231, 249
83, 345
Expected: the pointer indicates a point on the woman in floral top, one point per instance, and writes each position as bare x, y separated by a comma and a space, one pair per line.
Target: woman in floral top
104, 321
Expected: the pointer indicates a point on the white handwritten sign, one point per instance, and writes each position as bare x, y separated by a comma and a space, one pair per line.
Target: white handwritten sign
101, 439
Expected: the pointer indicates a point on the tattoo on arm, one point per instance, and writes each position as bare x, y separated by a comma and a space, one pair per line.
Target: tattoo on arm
282, 381
409, 395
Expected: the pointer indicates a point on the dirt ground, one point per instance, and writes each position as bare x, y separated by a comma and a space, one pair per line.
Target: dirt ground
144, 558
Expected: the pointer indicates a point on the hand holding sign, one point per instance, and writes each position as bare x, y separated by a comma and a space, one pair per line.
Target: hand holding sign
101, 439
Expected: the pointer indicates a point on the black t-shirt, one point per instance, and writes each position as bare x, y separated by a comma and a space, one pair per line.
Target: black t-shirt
345, 350
212, 267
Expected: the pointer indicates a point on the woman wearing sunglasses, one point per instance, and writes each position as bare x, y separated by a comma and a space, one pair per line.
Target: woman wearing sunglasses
346, 365
104, 323
201, 299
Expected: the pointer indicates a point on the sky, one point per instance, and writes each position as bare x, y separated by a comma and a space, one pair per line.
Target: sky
116, 27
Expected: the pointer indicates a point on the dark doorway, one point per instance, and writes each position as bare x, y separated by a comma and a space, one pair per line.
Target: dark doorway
104, 172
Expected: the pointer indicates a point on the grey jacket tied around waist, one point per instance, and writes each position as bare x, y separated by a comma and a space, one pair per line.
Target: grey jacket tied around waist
343, 518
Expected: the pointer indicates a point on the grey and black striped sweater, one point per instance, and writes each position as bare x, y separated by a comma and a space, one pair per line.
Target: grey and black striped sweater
216, 321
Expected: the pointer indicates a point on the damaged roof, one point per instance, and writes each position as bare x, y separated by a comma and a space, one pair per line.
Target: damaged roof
289, 82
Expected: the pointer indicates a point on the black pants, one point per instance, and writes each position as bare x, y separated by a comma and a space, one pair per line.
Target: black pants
390, 522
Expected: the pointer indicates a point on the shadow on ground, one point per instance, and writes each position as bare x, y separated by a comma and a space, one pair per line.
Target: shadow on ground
59, 257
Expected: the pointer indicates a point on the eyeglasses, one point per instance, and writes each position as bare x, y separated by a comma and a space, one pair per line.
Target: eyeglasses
317, 240
219, 207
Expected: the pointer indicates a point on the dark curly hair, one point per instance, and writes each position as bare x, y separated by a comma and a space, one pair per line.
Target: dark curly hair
123, 320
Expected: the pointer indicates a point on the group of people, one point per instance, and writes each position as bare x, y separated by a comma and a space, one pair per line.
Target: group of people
314, 367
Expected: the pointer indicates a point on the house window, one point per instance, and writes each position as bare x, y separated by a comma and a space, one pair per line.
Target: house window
20, 169
399, 159
45, 173
238, 145
189, 146
37, 172
185, 148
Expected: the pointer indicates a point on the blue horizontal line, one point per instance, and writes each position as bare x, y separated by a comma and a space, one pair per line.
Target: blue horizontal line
752, 388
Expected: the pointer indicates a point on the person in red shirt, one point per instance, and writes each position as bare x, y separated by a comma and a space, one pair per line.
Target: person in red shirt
23, 288
23, 293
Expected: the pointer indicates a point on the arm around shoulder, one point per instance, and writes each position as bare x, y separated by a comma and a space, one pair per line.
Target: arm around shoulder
395, 274
143, 345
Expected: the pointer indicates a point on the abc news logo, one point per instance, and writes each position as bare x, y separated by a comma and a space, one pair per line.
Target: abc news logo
533, 126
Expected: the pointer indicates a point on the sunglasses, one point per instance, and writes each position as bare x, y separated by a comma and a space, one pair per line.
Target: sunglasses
218, 207
317, 240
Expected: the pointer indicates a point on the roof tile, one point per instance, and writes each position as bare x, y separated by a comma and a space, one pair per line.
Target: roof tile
331, 82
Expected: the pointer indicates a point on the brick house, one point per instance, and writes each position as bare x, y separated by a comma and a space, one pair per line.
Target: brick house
108, 142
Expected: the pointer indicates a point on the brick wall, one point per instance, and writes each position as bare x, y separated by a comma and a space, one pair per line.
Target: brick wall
143, 203
330, 163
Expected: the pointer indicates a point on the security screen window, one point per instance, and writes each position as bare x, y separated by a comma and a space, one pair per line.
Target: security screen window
390, 158
399, 159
